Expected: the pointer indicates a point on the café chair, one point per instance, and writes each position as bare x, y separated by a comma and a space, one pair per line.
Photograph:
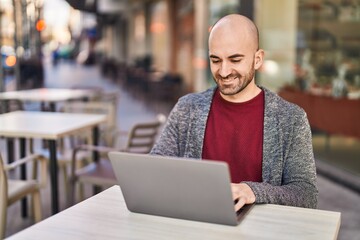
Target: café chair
66, 146
140, 139
12, 190
106, 106
10, 106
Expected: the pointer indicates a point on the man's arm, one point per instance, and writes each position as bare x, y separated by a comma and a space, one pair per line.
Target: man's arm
168, 143
298, 186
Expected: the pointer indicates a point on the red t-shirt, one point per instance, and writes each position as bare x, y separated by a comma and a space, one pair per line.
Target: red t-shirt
234, 134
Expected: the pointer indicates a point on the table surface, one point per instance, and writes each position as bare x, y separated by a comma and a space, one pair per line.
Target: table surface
105, 216
47, 94
46, 125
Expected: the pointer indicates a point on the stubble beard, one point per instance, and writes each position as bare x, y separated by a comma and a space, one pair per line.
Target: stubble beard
234, 88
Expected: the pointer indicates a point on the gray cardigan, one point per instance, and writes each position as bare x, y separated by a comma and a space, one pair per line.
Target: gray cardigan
288, 166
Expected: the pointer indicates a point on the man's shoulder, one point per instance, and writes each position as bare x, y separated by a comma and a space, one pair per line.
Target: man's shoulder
279, 104
198, 98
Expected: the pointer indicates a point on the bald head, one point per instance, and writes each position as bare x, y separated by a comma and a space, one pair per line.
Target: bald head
236, 26
234, 57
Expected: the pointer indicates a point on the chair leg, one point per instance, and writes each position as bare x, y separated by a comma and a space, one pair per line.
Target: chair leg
3, 213
70, 195
81, 164
81, 191
69, 184
37, 206
66, 179
34, 170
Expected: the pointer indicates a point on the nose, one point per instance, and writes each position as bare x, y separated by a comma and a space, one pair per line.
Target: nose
225, 70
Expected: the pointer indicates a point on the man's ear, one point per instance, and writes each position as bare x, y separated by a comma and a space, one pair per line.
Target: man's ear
259, 59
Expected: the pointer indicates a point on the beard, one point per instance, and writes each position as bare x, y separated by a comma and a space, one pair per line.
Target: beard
235, 82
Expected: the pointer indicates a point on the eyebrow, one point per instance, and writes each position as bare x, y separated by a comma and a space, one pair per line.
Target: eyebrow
231, 56
236, 55
213, 56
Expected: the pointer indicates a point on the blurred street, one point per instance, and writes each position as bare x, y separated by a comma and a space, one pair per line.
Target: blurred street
133, 108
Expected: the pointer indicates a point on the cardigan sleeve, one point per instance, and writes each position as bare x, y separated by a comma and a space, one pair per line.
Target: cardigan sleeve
172, 140
298, 180
184, 130
167, 143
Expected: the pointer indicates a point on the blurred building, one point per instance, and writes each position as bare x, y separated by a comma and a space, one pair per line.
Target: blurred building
169, 35
307, 43
21, 24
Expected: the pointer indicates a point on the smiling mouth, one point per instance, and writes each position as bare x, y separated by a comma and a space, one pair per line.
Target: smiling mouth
228, 80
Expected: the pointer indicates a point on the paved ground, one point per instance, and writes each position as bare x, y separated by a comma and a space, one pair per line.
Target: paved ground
333, 196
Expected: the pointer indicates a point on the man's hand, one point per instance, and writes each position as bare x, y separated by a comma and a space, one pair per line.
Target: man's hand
242, 194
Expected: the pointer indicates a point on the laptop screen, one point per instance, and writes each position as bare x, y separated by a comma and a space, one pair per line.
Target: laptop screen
181, 188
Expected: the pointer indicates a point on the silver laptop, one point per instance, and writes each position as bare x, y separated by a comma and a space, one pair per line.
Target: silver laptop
181, 188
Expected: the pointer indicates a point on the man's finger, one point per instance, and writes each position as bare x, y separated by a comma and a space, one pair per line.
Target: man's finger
240, 203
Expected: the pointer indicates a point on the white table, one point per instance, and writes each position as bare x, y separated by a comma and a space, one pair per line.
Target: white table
50, 95
104, 216
49, 126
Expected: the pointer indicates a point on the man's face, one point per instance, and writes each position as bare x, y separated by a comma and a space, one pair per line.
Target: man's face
232, 62
233, 76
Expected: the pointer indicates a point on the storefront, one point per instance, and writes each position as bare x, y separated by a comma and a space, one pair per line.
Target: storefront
174, 34
21, 24
328, 49
309, 45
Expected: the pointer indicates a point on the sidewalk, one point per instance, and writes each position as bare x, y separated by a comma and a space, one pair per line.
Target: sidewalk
332, 195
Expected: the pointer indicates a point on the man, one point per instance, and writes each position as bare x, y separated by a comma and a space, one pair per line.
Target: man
265, 140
